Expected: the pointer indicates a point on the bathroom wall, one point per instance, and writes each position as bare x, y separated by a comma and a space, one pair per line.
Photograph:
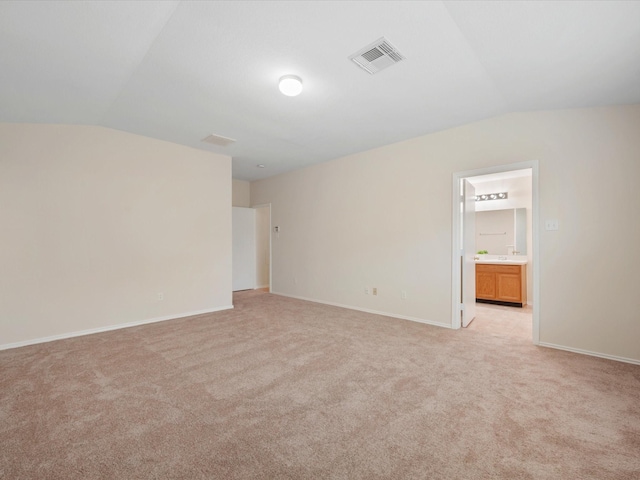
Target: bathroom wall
495, 230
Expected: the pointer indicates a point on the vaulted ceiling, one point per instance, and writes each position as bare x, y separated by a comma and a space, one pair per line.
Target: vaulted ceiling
182, 70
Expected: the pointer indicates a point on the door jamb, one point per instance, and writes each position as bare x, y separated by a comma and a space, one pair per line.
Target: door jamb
456, 284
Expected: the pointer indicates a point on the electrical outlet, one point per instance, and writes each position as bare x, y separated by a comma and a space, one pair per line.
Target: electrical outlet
375, 290
366, 290
160, 296
404, 294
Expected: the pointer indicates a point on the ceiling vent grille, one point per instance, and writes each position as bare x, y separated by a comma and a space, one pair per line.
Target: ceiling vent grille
377, 56
218, 140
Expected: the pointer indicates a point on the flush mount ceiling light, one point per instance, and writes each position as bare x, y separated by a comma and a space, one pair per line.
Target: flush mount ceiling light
260, 165
290, 85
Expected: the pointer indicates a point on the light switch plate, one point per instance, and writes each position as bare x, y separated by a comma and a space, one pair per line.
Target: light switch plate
551, 225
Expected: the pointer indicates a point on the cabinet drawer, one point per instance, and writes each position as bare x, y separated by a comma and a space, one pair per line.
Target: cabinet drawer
497, 268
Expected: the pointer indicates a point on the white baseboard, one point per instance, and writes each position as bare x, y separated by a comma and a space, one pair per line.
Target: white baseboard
366, 310
108, 328
590, 353
437, 324
261, 286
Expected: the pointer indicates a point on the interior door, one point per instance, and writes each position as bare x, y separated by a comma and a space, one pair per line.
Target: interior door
468, 249
244, 248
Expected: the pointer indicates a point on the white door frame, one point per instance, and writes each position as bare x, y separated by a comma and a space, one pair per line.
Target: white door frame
265, 205
456, 284
467, 262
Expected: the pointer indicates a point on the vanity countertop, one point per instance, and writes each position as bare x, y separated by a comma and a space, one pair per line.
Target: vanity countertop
502, 260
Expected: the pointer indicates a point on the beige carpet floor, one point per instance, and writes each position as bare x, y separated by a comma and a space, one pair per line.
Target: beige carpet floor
285, 389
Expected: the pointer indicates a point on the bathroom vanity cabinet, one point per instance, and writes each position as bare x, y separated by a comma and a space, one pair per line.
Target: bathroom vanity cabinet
501, 284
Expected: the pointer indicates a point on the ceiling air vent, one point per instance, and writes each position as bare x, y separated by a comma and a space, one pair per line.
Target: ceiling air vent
218, 140
377, 56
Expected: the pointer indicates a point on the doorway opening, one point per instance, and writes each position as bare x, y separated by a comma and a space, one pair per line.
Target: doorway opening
251, 248
524, 250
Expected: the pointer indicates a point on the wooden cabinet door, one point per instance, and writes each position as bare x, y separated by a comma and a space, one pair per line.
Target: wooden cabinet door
501, 283
485, 285
509, 287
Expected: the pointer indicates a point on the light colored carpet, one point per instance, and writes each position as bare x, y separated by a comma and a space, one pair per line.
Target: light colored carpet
284, 389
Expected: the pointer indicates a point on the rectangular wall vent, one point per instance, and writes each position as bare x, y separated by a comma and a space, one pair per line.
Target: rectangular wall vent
218, 140
377, 56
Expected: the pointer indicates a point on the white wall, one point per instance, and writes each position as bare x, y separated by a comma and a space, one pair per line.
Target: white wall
96, 222
383, 218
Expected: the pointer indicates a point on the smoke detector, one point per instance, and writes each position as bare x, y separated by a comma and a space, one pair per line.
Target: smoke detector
377, 56
218, 140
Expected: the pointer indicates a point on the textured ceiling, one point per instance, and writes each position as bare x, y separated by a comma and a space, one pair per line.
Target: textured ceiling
180, 71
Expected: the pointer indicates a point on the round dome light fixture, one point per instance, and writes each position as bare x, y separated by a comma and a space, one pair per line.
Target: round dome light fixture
290, 85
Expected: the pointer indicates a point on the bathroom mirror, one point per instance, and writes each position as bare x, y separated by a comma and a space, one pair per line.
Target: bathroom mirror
502, 232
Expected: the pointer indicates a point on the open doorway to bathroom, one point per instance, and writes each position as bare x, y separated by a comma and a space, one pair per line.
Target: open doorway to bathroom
505, 231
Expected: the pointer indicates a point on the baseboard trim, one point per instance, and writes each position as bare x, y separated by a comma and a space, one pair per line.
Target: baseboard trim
366, 310
590, 353
108, 328
261, 286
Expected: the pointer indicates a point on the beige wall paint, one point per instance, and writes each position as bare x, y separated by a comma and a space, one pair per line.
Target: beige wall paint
263, 232
382, 218
96, 222
241, 193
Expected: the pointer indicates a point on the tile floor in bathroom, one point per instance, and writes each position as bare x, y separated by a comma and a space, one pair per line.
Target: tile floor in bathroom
504, 321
